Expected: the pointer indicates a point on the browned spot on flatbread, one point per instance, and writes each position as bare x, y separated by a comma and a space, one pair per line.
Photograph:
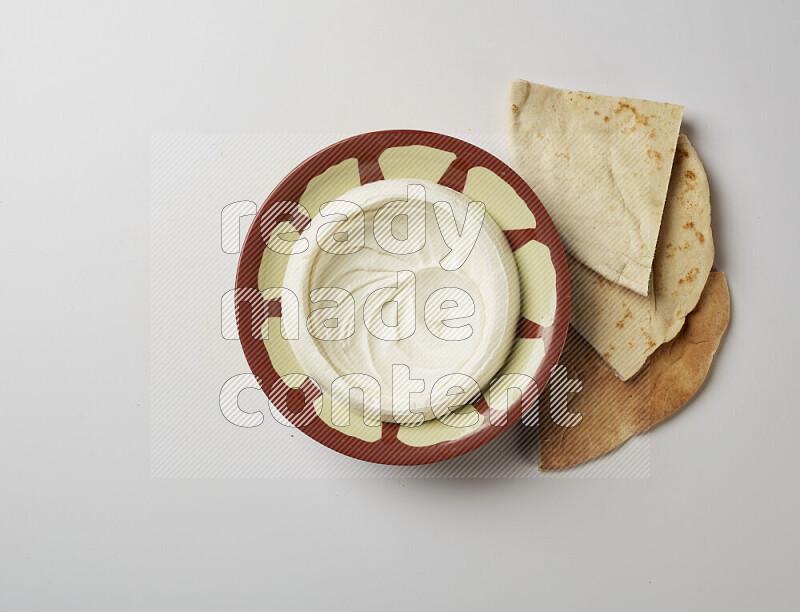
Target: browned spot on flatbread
672, 248
690, 277
601, 281
628, 315
697, 234
650, 342
690, 175
514, 108
639, 118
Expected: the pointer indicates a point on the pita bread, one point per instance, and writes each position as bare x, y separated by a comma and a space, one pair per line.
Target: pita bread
601, 167
612, 411
625, 327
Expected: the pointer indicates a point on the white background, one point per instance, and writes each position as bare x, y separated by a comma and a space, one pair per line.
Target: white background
83, 525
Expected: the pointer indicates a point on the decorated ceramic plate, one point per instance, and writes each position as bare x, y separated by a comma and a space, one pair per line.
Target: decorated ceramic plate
402, 297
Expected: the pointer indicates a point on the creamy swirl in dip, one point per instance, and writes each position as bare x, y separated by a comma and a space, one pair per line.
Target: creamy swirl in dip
417, 301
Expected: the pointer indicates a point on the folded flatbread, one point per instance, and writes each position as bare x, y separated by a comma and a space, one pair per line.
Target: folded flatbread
625, 327
601, 167
611, 411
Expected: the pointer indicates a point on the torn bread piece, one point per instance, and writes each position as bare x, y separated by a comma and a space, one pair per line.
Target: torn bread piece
611, 411
625, 327
601, 167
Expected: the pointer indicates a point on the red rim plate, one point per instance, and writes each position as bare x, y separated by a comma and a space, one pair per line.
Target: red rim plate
296, 404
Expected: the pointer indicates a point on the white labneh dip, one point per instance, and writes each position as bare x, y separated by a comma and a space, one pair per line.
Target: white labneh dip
407, 279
